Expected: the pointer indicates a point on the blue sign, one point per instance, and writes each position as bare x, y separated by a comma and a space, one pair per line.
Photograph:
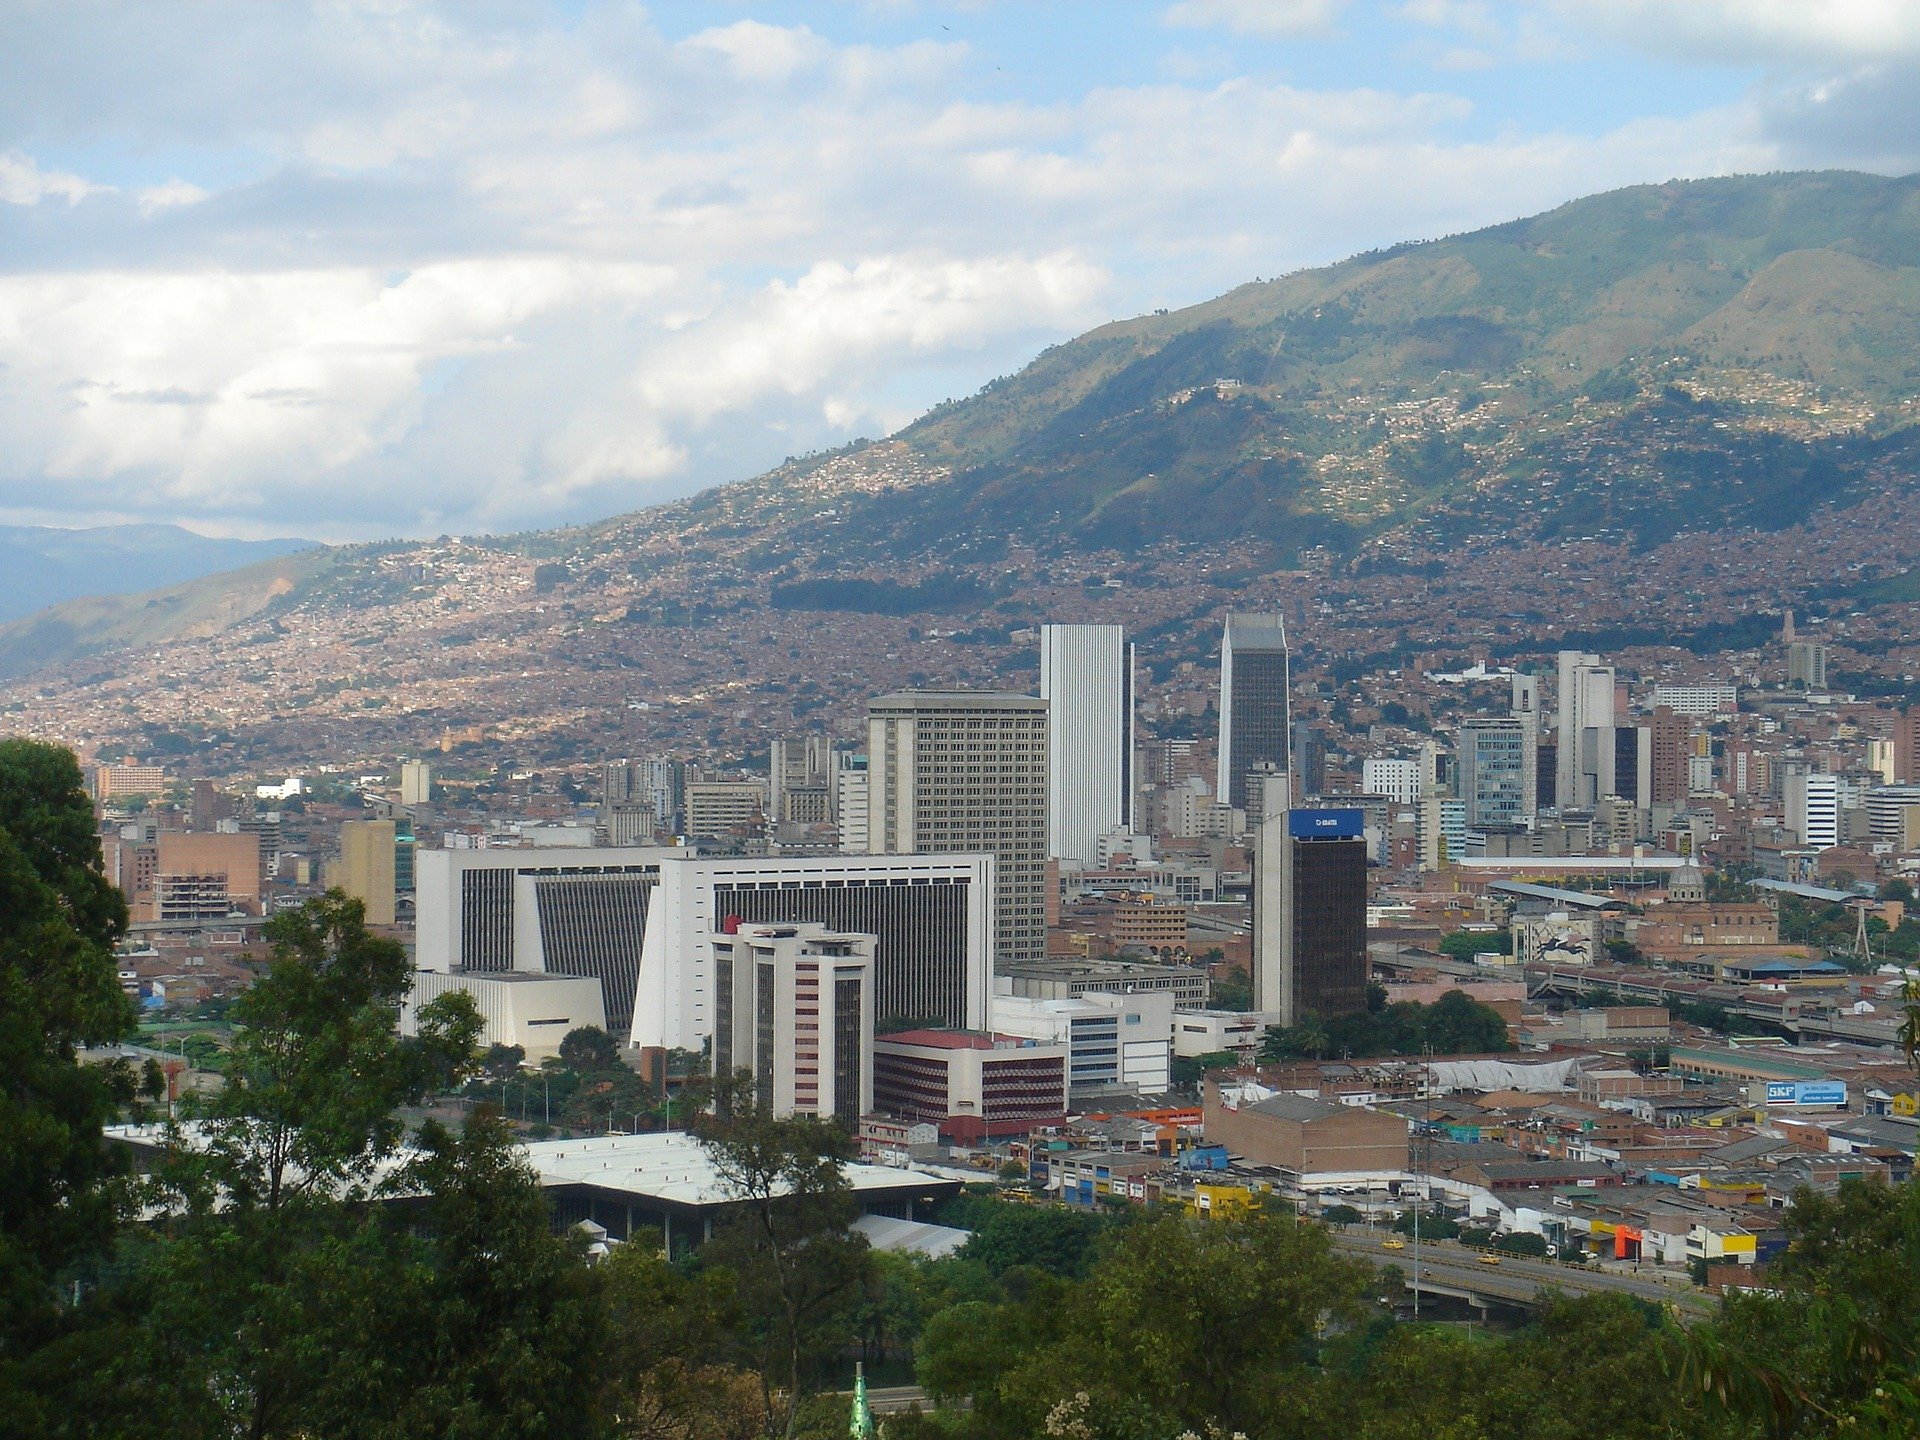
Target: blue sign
1326, 824
1806, 1092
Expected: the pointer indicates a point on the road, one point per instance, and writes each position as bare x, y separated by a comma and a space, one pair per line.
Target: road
1446, 1267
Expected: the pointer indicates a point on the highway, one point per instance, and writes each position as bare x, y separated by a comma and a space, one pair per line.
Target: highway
1450, 1269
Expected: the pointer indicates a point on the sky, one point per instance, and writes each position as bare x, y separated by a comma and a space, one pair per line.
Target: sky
357, 269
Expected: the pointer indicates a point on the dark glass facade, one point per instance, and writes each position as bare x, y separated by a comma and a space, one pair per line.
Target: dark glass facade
848, 998
1329, 939
920, 964
1258, 717
593, 927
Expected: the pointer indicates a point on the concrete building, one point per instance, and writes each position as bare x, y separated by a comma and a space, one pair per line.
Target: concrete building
1891, 813
1310, 915
416, 783
1397, 779
641, 919
965, 772
1068, 977
1698, 702
1813, 809
970, 1085
1807, 664
850, 804
1114, 1041
369, 871
1302, 1134
1586, 702
1086, 678
793, 1009
932, 917
113, 782
1210, 1032
180, 875
1497, 770
718, 807
1256, 715
535, 1012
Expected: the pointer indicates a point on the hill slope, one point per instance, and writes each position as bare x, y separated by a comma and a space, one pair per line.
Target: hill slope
41, 566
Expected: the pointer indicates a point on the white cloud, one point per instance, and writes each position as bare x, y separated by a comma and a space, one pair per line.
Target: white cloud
1790, 33
1258, 17
473, 276
22, 182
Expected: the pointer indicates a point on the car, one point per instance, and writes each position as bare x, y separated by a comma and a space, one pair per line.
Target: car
1395, 1244
1489, 1259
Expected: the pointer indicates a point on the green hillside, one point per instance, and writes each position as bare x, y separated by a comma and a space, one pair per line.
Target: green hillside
1768, 315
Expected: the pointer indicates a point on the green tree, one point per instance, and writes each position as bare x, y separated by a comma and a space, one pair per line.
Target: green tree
59, 919
799, 1267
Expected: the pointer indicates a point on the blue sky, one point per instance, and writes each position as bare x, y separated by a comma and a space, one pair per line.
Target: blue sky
375, 267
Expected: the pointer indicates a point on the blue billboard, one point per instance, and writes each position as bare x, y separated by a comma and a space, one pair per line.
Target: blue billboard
1806, 1092
1326, 824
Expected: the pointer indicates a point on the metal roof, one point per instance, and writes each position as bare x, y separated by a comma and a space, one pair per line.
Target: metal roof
1809, 892
1577, 899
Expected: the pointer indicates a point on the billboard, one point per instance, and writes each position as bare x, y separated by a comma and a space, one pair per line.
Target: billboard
1806, 1092
1326, 824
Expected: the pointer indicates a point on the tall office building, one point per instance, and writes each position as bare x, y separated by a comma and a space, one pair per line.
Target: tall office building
797, 781
1497, 770
1310, 758
1396, 778
793, 1008
1086, 678
1255, 712
1671, 737
1807, 664
1586, 702
1310, 914
367, 866
850, 801
416, 783
1813, 809
965, 772
666, 791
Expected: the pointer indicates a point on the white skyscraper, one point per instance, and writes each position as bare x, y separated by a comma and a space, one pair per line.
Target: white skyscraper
1086, 678
1586, 703
1813, 809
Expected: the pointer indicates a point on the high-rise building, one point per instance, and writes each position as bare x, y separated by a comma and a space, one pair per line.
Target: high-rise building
965, 772
797, 766
716, 807
666, 791
1586, 703
850, 802
367, 866
1310, 914
1698, 702
1813, 809
1396, 778
1086, 678
1890, 811
416, 783
1807, 664
1906, 746
793, 1008
186, 876
110, 782
1497, 770
1255, 711
1310, 758
1671, 738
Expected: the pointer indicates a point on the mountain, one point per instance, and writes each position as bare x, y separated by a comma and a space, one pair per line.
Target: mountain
41, 567
1653, 394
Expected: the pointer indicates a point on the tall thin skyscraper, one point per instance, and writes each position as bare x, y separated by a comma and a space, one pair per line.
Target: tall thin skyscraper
965, 772
1497, 770
1310, 914
1586, 703
1255, 714
1086, 678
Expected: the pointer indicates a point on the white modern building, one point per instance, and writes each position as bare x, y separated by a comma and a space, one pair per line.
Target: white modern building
640, 920
1813, 809
534, 1011
1697, 702
1586, 703
416, 783
1086, 678
1396, 778
793, 1010
1114, 1041
1497, 770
